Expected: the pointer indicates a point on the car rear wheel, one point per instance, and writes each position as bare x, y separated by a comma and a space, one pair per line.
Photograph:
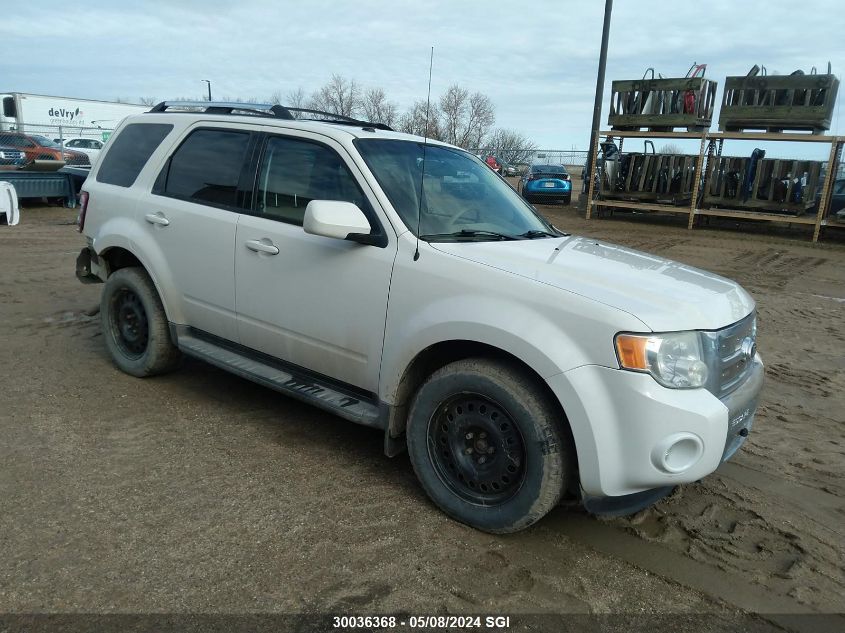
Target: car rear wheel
135, 325
487, 445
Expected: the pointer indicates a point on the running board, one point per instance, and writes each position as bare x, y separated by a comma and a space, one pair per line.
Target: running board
287, 381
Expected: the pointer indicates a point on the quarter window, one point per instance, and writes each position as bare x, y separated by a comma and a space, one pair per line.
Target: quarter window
294, 172
207, 167
130, 151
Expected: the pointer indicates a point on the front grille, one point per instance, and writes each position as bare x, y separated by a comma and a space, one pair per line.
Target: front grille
729, 359
79, 159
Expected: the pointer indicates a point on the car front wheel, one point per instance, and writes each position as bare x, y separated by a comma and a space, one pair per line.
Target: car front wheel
488, 445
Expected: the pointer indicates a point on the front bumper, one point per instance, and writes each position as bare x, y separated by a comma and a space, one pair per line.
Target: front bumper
632, 435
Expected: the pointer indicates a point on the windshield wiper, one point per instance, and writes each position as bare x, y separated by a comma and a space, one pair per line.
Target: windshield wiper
535, 233
470, 233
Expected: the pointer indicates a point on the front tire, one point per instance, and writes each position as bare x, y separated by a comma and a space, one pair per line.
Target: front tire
488, 446
135, 325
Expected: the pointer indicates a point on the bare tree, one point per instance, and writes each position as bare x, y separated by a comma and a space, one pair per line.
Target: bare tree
377, 109
339, 96
414, 121
150, 101
296, 98
482, 116
510, 146
293, 99
453, 109
466, 117
670, 148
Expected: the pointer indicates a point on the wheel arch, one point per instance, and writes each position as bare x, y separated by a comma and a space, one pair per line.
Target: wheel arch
118, 251
440, 354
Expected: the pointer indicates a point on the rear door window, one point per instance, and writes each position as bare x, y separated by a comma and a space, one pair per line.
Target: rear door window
130, 151
207, 168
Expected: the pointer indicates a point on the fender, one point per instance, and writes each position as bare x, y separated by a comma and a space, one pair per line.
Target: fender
544, 346
123, 232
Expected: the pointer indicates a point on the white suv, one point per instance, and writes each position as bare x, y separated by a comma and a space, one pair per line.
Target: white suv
401, 284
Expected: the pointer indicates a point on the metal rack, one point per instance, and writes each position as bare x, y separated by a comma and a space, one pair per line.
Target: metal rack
711, 142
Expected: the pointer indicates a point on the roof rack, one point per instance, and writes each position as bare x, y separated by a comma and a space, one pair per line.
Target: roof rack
275, 111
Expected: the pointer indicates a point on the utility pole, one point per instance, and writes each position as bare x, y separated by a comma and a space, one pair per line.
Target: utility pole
594, 129
209, 88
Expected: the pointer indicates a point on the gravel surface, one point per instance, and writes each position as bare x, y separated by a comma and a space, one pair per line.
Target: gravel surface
201, 492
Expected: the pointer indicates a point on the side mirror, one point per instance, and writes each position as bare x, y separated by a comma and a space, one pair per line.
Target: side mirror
340, 220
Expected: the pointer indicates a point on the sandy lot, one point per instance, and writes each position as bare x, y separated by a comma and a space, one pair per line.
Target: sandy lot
201, 492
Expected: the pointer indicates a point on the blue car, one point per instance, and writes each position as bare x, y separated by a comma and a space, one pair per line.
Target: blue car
547, 182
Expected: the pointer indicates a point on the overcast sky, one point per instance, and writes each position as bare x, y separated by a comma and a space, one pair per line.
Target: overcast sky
536, 60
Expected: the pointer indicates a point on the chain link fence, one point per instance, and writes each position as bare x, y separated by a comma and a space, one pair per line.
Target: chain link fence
45, 146
572, 159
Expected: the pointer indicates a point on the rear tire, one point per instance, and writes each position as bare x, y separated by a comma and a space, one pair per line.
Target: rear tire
488, 446
135, 325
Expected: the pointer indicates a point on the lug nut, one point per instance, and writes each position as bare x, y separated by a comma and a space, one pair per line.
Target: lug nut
482, 459
482, 435
469, 435
468, 450
490, 450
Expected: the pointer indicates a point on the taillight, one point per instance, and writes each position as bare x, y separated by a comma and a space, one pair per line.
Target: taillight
83, 207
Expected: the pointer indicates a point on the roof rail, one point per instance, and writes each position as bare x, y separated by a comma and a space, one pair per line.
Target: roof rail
330, 117
262, 109
225, 107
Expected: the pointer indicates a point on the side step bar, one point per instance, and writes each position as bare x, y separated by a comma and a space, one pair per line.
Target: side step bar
287, 381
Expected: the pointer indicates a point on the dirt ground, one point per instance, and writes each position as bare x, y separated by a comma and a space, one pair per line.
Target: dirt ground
202, 492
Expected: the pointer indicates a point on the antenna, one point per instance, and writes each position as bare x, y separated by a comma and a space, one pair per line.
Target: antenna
425, 146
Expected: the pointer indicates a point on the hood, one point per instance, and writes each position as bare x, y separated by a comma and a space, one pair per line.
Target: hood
662, 293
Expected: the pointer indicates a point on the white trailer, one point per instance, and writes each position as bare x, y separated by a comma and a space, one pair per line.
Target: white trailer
62, 116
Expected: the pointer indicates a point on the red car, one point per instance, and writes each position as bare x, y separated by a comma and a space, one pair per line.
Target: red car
493, 163
37, 147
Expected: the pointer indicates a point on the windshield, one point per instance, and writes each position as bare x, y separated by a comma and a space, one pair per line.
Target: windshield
460, 197
43, 141
556, 170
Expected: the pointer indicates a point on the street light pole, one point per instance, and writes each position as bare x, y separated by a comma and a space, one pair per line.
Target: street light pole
594, 129
209, 88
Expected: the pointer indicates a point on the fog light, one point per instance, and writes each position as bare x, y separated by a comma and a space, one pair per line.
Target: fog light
677, 453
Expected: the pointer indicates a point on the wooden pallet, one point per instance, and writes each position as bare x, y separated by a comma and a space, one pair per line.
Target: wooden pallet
778, 103
658, 104
642, 181
765, 194
776, 128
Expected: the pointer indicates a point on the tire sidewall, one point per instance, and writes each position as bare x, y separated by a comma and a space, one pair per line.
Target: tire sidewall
136, 281
543, 453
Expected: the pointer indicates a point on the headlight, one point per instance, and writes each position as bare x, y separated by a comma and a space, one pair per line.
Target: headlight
675, 360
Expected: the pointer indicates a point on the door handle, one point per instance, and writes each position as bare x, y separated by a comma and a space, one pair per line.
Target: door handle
157, 218
262, 246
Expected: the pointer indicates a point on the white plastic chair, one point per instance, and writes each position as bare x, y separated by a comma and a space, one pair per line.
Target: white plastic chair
9, 204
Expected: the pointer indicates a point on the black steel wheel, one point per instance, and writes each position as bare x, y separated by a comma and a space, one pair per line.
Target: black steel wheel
130, 322
135, 326
476, 449
489, 444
